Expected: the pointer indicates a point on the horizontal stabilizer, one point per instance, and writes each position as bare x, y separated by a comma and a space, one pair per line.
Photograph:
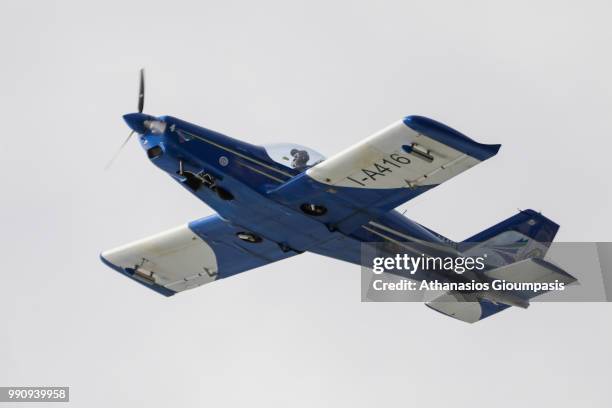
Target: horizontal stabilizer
464, 307
472, 307
532, 270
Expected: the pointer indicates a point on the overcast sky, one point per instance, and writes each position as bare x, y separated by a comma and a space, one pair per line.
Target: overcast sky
534, 76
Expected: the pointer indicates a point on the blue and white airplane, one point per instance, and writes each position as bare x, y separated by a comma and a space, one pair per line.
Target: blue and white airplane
278, 201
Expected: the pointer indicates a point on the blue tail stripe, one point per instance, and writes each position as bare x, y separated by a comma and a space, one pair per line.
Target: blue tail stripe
528, 222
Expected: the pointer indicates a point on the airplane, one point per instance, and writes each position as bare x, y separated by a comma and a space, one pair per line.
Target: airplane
278, 201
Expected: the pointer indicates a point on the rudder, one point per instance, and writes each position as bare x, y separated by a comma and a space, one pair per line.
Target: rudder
527, 234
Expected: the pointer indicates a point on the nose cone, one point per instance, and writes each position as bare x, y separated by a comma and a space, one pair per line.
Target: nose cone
136, 121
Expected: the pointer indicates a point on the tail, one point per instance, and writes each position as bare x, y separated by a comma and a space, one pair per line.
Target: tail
514, 249
527, 234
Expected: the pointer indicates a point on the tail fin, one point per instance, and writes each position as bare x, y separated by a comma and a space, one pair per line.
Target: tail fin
527, 234
508, 246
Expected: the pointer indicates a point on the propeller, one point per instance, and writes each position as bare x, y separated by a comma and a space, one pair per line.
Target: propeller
141, 96
110, 163
141, 91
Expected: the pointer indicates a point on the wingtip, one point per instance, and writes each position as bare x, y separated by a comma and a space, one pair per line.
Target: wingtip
157, 288
494, 148
447, 135
104, 260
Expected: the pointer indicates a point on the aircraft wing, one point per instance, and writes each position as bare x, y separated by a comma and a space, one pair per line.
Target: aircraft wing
383, 171
191, 255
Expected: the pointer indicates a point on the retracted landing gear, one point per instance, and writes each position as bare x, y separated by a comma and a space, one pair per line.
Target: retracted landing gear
196, 180
313, 209
249, 237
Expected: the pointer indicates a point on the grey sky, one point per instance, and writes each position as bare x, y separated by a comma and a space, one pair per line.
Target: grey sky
534, 76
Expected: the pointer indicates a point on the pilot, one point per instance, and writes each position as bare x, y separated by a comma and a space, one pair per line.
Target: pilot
300, 159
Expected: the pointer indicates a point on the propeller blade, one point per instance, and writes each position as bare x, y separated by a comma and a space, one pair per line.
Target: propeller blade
110, 163
141, 91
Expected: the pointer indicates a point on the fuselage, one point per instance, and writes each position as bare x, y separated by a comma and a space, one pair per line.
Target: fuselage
239, 180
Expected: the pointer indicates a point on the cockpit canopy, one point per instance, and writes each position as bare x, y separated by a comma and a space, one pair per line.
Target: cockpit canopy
294, 156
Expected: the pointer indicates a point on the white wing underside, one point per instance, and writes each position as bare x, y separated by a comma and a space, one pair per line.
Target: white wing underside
176, 259
383, 153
